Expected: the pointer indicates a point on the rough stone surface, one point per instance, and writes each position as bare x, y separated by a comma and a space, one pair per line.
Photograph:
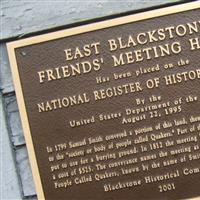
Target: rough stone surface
25, 171
17, 139
6, 83
14, 121
22, 17
9, 184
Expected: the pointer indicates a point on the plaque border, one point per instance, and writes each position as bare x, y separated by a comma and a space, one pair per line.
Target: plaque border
11, 46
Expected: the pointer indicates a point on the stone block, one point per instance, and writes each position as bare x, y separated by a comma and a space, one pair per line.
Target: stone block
25, 171
14, 120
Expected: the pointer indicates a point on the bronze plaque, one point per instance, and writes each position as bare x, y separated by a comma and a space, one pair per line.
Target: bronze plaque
111, 110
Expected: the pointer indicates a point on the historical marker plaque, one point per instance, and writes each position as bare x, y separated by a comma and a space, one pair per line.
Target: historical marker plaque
111, 110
